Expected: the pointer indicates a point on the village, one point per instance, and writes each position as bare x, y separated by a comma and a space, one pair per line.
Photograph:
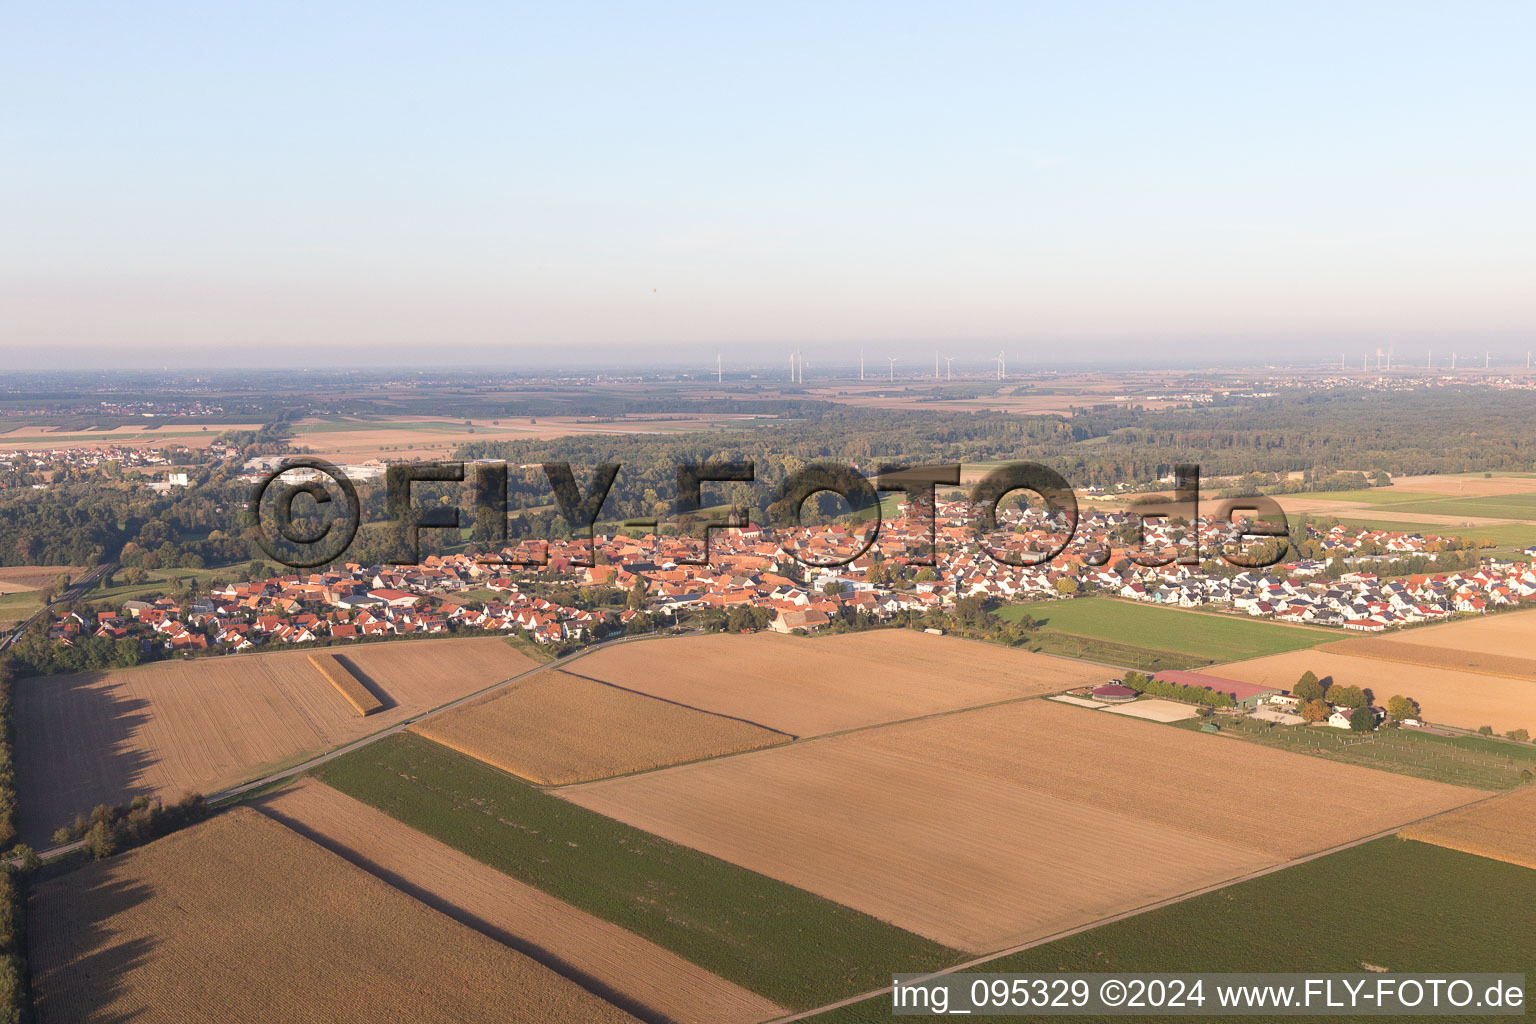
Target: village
759, 577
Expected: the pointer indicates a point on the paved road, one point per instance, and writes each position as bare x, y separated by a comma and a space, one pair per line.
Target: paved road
74, 592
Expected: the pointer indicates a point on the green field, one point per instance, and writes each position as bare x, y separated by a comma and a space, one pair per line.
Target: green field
159, 582
1460, 760
16, 607
1108, 652
1185, 633
1490, 506
1505, 536
1393, 904
1374, 496
779, 941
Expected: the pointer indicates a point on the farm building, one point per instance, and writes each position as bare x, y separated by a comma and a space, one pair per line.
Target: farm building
1246, 695
1114, 693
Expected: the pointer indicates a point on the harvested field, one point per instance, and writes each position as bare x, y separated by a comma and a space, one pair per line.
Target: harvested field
1154, 710
997, 826
1428, 656
556, 727
351, 689
1462, 699
241, 919
806, 686
18, 579
1503, 828
1509, 634
207, 724
603, 957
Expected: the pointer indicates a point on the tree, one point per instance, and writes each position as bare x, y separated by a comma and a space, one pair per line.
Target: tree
832, 588
1067, 585
1521, 735
1314, 711
101, 840
1399, 708
636, 600
1347, 696
1362, 720
1307, 687
1485, 730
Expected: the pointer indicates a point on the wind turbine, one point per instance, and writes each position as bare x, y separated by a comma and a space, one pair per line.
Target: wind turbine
893, 368
719, 370
935, 364
949, 375
1002, 365
861, 364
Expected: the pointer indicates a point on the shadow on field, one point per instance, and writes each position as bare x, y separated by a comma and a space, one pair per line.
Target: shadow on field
73, 750
467, 918
77, 968
369, 683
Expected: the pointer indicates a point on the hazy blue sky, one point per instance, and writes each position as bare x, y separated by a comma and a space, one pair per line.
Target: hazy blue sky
333, 183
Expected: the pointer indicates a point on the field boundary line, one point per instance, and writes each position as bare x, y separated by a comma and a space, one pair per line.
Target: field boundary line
1134, 912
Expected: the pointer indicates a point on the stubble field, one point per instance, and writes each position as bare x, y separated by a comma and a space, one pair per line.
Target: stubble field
987, 828
1503, 828
240, 919
807, 686
1465, 700
605, 958
556, 727
1508, 634
204, 725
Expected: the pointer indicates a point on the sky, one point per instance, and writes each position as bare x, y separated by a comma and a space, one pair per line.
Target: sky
340, 184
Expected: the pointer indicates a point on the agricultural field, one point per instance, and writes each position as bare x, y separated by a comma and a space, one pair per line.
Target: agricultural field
241, 919
345, 439
1486, 506
806, 686
555, 727
1202, 634
15, 579
624, 968
787, 945
204, 725
1510, 634
1297, 919
1503, 828
1401, 649
983, 829
1453, 697
1505, 537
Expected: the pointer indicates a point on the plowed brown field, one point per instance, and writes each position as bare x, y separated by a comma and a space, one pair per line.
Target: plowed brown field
556, 727
240, 919
1512, 634
17, 579
1462, 699
207, 724
602, 956
991, 827
1503, 828
812, 685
